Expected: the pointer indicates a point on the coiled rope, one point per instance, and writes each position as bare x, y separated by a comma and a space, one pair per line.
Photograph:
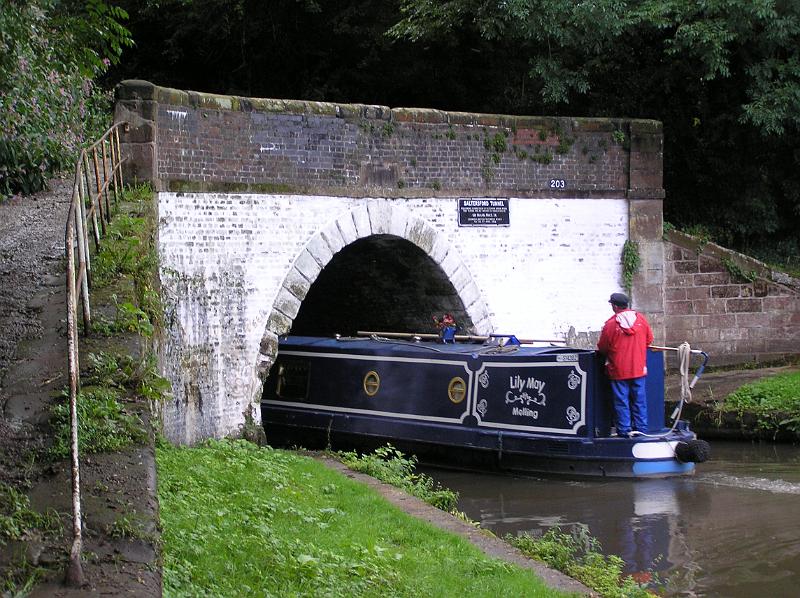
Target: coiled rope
684, 354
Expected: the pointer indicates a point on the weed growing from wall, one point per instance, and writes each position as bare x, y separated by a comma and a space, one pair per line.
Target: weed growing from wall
496, 144
619, 137
736, 271
543, 158
630, 263
18, 520
565, 145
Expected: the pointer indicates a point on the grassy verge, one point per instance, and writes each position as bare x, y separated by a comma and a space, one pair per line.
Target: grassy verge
115, 387
774, 401
242, 520
20, 524
393, 467
578, 555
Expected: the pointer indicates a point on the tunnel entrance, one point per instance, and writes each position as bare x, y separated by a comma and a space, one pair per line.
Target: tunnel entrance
382, 283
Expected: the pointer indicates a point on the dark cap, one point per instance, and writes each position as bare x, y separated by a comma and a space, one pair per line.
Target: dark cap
619, 299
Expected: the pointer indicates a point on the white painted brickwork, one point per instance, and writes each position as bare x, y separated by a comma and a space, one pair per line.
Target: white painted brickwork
235, 269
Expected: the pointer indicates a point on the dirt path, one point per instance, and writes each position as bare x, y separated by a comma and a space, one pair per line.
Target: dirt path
33, 365
32, 344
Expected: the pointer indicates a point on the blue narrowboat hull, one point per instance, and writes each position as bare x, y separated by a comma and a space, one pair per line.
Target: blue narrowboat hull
514, 408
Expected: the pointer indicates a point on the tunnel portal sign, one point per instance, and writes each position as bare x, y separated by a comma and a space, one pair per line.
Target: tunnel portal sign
483, 212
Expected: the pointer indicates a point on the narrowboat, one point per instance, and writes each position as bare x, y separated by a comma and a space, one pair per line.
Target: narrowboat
500, 404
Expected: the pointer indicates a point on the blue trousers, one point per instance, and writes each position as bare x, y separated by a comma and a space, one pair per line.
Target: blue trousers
630, 402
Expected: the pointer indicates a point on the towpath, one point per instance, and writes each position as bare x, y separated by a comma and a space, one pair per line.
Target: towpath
33, 365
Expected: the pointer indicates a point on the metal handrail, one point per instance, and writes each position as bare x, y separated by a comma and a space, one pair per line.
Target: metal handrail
76, 236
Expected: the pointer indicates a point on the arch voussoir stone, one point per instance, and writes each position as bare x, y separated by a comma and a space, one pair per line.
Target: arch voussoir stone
460, 278
450, 264
333, 237
380, 216
400, 218
297, 284
347, 226
319, 250
421, 235
307, 265
361, 221
267, 351
469, 295
439, 250
287, 303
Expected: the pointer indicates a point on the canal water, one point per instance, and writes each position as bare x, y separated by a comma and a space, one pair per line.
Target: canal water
731, 530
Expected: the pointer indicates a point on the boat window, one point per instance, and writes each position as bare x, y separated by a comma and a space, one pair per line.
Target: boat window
292, 381
372, 382
457, 389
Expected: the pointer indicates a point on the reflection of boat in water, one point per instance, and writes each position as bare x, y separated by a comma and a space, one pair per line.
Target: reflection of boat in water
514, 407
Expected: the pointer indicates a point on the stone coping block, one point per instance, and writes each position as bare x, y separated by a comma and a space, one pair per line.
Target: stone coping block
133, 89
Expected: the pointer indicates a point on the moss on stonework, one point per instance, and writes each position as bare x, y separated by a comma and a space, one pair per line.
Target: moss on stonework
177, 97
183, 186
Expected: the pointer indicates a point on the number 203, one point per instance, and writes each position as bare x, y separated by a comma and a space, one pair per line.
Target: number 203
557, 184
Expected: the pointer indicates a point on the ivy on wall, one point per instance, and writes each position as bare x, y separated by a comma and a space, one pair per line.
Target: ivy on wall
630, 263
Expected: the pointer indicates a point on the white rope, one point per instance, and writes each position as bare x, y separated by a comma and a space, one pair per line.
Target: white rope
684, 354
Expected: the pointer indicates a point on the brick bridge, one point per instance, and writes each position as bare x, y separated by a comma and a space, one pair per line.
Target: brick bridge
318, 218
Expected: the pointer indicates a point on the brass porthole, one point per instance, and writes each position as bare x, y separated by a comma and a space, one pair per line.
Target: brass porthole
372, 382
457, 390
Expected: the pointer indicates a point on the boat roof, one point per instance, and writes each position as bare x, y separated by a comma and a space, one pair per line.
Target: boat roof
386, 346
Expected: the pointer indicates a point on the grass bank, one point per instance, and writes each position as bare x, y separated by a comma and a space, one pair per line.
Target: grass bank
773, 403
238, 519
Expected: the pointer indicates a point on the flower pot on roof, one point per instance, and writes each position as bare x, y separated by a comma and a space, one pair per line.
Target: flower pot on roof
447, 328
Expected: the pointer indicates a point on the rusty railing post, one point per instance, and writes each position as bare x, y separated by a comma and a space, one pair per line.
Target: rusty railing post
92, 209
119, 154
105, 179
114, 165
86, 251
83, 257
74, 576
98, 188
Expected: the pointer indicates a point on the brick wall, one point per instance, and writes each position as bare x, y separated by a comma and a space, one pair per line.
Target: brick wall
235, 269
731, 306
192, 141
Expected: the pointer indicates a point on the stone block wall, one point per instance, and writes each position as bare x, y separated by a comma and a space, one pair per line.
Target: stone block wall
733, 307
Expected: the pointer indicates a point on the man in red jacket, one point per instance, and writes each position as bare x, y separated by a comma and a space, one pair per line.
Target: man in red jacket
624, 342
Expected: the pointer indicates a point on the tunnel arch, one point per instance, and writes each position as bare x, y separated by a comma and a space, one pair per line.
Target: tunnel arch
380, 226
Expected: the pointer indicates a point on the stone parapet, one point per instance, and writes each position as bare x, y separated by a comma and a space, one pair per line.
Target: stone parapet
191, 141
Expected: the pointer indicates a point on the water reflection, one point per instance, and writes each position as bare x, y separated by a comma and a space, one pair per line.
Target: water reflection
732, 530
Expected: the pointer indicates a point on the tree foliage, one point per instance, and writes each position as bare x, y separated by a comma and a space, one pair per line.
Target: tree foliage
50, 53
722, 75
567, 42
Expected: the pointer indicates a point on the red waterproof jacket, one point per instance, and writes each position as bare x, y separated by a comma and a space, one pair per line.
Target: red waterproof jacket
624, 342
